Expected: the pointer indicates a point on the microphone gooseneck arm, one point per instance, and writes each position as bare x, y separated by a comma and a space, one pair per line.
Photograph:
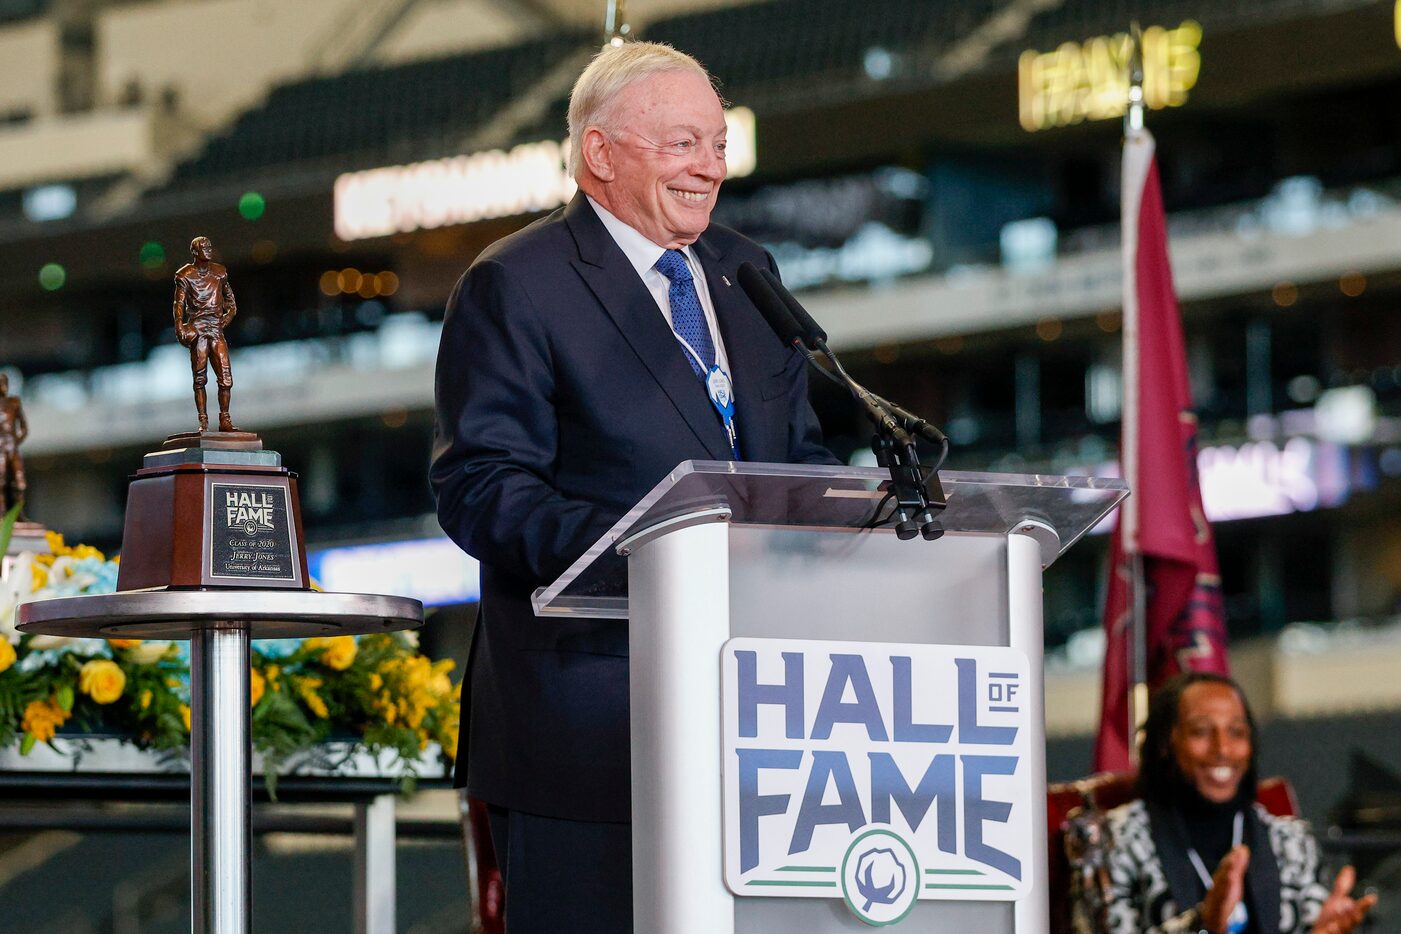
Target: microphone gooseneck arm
916, 490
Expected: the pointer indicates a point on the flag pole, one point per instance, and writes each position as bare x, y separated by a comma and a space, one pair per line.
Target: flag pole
1138, 662
615, 22
1133, 117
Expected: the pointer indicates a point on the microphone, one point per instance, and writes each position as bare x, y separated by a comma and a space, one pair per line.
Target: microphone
770, 306
814, 336
915, 507
778, 314
812, 332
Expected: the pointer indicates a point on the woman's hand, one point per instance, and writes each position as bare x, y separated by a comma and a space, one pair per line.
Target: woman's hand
1341, 912
1228, 888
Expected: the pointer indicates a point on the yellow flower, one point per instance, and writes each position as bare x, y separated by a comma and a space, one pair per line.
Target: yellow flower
40, 575
376, 682
123, 643
439, 683
336, 652
79, 552
145, 698
185, 716
449, 738
148, 653
271, 673
55, 541
257, 684
42, 718
102, 680
417, 672
307, 689
7, 654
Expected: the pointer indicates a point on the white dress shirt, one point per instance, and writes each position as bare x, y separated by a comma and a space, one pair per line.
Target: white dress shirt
643, 254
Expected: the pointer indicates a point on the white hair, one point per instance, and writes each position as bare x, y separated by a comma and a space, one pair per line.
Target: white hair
594, 99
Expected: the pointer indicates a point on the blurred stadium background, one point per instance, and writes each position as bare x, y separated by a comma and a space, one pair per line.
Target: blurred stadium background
940, 179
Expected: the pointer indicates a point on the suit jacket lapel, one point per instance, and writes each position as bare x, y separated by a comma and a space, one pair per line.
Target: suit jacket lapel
1171, 842
1262, 877
735, 316
622, 294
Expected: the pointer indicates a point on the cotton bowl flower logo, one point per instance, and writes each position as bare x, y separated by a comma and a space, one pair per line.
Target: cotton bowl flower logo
880, 877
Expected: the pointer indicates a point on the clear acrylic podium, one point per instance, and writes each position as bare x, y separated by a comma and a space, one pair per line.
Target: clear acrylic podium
720, 550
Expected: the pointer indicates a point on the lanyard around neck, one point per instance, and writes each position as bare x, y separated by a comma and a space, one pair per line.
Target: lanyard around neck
1239, 916
1237, 834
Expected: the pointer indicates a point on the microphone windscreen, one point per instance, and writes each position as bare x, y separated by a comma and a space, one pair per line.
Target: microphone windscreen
810, 330
772, 307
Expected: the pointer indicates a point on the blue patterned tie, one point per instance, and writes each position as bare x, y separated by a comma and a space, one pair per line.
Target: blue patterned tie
687, 316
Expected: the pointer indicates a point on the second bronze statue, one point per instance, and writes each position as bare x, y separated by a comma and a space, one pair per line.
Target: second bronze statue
204, 305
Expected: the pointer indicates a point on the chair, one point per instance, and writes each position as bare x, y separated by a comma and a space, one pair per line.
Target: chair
1065, 801
489, 897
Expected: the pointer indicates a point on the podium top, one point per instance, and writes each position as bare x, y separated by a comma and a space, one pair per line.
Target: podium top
1055, 510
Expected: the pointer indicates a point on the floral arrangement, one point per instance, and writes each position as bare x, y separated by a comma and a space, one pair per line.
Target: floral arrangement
375, 690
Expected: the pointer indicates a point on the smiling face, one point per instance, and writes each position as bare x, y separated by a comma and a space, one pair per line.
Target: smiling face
1211, 740
658, 169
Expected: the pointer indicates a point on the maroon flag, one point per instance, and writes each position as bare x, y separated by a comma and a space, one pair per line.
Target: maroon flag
1184, 625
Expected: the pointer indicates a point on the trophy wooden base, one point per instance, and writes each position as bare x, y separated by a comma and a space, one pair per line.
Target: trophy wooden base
29, 536
32, 537
208, 511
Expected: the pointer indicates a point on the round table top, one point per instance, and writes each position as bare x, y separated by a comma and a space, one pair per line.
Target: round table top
175, 614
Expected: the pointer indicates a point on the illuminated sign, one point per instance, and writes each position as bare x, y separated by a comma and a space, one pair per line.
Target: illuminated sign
432, 570
1263, 478
462, 189
1090, 80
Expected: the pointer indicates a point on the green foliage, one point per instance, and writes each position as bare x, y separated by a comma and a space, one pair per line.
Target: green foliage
7, 526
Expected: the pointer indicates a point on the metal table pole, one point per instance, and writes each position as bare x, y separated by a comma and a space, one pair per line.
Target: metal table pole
374, 866
221, 887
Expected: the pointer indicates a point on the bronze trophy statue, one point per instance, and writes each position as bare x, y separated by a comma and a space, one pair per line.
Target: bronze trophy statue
13, 430
204, 305
211, 508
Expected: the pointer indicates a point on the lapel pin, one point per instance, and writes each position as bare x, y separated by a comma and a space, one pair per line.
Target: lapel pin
726, 280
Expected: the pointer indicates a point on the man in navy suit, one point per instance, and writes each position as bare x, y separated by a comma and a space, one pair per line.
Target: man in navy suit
582, 359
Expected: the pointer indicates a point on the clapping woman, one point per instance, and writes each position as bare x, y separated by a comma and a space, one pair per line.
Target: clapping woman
1195, 853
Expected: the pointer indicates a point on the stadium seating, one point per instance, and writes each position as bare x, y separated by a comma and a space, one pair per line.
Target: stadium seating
373, 116
12, 11
788, 42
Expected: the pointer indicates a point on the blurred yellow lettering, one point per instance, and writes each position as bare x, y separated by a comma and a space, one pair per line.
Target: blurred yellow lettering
1090, 80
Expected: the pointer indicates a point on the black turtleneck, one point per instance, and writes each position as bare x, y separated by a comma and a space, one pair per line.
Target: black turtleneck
1210, 826
1210, 830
